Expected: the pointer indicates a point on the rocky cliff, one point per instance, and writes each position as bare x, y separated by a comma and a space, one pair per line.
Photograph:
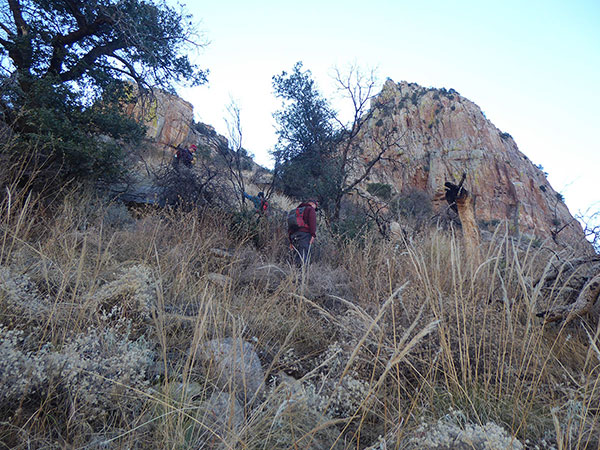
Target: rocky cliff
168, 118
442, 135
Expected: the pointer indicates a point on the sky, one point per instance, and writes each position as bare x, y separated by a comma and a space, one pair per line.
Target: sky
533, 67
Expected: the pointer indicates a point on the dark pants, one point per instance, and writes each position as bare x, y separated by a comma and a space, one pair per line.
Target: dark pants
301, 243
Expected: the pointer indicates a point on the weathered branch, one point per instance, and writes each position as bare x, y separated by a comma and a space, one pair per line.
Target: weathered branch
583, 304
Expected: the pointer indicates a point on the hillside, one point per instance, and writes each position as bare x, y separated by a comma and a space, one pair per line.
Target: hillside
192, 327
437, 136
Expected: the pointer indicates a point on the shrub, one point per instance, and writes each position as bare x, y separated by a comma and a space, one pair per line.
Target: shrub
102, 372
381, 190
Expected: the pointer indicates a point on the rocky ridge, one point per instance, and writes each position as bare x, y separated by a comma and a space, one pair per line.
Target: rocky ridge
439, 135
442, 135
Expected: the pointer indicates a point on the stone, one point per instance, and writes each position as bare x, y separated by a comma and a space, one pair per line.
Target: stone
167, 118
267, 276
214, 421
235, 367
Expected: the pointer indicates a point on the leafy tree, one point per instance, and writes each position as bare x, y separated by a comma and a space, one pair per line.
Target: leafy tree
319, 154
65, 72
306, 134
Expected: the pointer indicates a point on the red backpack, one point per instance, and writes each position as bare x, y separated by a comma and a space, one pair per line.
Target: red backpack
295, 219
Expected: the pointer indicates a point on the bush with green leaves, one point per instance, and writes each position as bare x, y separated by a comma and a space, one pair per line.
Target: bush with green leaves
381, 190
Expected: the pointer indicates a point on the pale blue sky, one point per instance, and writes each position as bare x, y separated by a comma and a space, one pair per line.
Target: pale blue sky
532, 66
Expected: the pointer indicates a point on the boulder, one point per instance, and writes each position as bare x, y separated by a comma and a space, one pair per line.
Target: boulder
212, 421
235, 366
168, 118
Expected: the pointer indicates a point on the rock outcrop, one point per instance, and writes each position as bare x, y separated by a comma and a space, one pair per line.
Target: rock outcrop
168, 118
442, 135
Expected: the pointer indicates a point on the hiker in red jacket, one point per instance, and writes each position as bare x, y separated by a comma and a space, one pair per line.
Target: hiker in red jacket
302, 229
184, 156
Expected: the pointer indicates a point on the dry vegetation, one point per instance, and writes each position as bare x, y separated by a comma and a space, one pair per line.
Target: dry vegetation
111, 328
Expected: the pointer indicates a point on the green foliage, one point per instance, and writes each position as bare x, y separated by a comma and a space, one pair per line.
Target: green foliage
305, 163
66, 137
354, 225
381, 190
65, 67
540, 167
244, 224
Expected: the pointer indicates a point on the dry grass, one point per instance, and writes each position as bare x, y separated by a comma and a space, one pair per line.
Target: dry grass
105, 318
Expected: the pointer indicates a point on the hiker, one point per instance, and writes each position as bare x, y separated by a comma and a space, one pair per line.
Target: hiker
260, 202
302, 229
184, 156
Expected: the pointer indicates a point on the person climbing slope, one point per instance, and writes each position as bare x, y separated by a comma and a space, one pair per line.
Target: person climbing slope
302, 229
259, 201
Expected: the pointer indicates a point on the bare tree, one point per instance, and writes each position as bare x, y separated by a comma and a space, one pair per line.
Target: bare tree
591, 226
355, 142
318, 151
234, 155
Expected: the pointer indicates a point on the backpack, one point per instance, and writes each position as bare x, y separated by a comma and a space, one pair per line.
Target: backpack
295, 219
185, 156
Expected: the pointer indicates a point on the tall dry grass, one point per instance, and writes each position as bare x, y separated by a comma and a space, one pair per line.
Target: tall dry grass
106, 318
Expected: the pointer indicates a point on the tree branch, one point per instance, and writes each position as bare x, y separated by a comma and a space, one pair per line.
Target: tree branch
383, 148
6, 29
130, 69
15, 8
60, 42
75, 9
89, 59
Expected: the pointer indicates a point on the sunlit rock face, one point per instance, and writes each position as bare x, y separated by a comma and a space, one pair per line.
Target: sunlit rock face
441, 135
168, 118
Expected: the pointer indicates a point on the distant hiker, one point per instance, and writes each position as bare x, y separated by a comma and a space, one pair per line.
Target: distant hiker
184, 156
260, 202
302, 229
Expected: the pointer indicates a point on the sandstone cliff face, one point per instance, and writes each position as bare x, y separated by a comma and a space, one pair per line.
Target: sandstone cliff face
168, 118
442, 135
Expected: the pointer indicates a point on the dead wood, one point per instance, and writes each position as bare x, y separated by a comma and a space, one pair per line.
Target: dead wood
583, 304
461, 201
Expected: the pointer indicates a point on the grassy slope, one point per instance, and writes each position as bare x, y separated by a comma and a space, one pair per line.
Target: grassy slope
380, 335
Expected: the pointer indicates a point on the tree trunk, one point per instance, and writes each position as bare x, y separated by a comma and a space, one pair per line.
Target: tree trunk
466, 214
